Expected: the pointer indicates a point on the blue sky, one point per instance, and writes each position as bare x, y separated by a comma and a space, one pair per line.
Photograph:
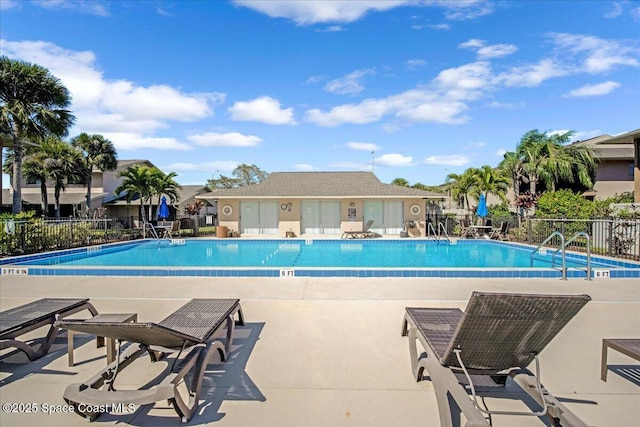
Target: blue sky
429, 87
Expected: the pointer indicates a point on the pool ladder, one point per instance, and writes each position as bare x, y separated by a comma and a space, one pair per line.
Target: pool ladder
562, 249
430, 230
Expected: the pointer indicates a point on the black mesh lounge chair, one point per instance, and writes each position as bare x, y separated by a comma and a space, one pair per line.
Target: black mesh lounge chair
498, 335
501, 233
197, 327
26, 318
361, 234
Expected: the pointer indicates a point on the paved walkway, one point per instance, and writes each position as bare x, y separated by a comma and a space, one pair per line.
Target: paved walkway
322, 352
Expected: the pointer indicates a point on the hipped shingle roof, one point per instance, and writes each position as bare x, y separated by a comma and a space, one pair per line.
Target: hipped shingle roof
321, 185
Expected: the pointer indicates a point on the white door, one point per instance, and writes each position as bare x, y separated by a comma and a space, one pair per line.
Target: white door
259, 217
393, 214
320, 217
249, 218
373, 212
269, 218
330, 217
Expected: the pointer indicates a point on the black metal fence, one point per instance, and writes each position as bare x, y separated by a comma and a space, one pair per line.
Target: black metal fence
618, 238
41, 235
34, 236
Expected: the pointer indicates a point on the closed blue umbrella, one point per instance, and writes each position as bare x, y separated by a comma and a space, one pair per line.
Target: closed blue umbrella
482, 210
163, 209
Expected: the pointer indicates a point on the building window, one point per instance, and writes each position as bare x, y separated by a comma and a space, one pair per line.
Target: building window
631, 169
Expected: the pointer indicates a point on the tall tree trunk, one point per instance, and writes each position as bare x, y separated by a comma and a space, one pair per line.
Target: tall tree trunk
45, 198
57, 197
17, 175
89, 191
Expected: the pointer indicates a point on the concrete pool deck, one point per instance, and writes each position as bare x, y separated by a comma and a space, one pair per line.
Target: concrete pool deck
323, 351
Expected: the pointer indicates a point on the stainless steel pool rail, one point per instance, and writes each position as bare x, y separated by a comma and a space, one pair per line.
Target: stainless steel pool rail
561, 248
586, 236
430, 230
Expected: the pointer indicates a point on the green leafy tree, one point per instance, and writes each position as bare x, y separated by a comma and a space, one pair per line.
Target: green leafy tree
564, 204
400, 182
512, 167
98, 152
461, 186
242, 175
32, 104
249, 174
163, 183
223, 182
64, 165
490, 181
546, 159
137, 181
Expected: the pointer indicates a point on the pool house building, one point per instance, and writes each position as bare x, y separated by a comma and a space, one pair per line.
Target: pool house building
292, 204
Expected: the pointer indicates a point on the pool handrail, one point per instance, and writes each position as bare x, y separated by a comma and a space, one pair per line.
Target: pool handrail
562, 248
444, 230
431, 229
572, 239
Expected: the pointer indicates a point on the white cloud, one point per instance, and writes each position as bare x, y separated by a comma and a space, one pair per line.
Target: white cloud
217, 165
501, 152
453, 160
394, 160
136, 141
439, 26
598, 89
472, 44
616, 10
90, 7
130, 112
506, 105
325, 11
349, 84
230, 139
443, 101
303, 167
469, 9
593, 54
321, 11
635, 13
331, 29
586, 134
487, 52
363, 146
8, 4
263, 109
533, 74
412, 64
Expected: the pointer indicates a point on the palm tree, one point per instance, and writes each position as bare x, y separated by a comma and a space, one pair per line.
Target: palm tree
546, 158
34, 166
400, 182
491, 181
511, 166
137, 181
32, 104
98, 152
461, 186
162, 183
64, 166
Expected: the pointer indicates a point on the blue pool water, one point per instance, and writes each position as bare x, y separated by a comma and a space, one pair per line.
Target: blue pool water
320, 258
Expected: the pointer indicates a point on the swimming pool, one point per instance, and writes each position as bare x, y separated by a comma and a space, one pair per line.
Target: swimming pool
299, 257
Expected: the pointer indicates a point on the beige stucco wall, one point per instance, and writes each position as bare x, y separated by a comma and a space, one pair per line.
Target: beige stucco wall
289, 218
